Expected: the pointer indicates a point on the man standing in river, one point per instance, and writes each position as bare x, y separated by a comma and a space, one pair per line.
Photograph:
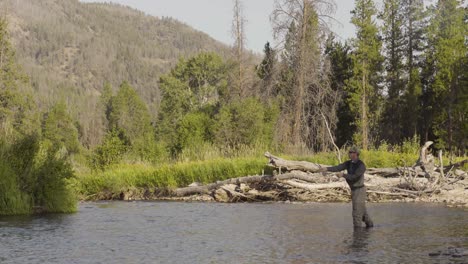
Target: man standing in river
355, 178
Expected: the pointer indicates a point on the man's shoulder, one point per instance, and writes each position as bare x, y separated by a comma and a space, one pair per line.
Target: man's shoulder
360, 162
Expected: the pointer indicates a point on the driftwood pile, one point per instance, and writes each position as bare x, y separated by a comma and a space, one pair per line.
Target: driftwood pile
300, 181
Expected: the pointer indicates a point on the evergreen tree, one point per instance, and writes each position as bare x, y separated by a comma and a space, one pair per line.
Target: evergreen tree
394, 51
364, 86
339, 56
266, 72
414, 22
448, 31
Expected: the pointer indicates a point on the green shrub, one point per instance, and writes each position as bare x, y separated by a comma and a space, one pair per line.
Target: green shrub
35, 173
109, 152
12, 199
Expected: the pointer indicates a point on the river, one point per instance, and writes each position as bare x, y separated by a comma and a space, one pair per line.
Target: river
174, 232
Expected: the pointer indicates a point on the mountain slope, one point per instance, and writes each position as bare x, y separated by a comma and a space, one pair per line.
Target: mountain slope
70, 49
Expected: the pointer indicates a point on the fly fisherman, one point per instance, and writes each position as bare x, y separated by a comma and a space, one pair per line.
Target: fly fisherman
355, 178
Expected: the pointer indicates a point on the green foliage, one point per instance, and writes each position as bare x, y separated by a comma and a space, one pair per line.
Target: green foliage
341, 64
15, 108
33, 174
128, 115
266, 72
448, 32
245, 122
193, 131
191, 91
109, 152
363, 86
12, 199
60, 129
395, 51
411, 146
125, 176
52, 172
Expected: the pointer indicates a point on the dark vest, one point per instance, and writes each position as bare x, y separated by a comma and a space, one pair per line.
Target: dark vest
351, 169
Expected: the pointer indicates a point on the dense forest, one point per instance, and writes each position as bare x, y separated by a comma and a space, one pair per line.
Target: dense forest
86, 86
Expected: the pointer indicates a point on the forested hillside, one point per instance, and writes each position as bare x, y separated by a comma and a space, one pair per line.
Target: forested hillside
69, 49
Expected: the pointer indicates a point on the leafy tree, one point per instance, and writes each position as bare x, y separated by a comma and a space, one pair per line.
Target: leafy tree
60, 129
34, 174
194, 85
244, 123
193, 130
110, 151
129, 115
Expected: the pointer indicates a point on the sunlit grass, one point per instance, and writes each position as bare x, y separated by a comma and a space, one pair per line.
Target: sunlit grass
122, 177
210, 168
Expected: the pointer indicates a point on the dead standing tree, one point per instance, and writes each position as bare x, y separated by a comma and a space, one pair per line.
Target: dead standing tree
238, 33
301, 25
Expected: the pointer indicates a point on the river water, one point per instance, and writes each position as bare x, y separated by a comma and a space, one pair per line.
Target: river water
173, 232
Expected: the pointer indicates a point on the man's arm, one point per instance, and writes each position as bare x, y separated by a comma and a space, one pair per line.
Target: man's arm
337, 168
357, 174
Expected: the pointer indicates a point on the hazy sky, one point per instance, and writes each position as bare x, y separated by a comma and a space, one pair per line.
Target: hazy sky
214, 17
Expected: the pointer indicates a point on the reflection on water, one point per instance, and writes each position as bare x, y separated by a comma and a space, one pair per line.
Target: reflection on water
168, 232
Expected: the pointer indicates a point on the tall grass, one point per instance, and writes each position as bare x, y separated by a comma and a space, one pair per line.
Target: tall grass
208, 164
122, 177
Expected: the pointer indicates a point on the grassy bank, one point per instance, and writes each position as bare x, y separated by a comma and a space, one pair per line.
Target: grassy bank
123, 177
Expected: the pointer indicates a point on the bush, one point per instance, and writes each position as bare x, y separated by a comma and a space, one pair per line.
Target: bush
12, 199
246, 122
109, 152
35, 173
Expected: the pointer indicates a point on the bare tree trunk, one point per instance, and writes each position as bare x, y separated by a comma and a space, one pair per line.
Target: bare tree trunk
239, 42
364, 123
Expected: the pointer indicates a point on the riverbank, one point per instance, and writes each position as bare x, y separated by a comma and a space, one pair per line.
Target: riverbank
324, 191
281, 181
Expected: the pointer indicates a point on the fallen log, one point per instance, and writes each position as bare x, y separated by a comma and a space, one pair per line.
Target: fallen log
384, 172
391, 193
290, 165
209, 187
300, 175
313, 187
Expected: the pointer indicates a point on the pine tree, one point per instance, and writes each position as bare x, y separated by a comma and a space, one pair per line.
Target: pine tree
414, 26
266, 73
364, 86
448, 33
394, 50
339, 56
